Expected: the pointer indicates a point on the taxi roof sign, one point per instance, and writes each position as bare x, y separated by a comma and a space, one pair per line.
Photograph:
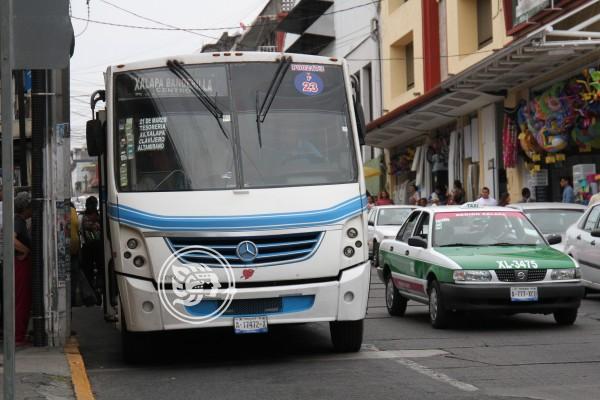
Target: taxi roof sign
472, 204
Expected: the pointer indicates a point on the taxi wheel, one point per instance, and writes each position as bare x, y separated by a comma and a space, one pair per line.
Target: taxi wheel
395, 303
565, 317
438, 315
346, 336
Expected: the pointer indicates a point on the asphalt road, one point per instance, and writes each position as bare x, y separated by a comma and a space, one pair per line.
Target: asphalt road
525, 356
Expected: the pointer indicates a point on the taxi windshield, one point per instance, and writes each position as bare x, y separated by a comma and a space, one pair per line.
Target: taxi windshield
485, 228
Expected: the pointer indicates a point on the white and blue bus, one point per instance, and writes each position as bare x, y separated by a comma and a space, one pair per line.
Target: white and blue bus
253, 155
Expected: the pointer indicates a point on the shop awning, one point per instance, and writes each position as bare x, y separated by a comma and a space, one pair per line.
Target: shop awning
559, 45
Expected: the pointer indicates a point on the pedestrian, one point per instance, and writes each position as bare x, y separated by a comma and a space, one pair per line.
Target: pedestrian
370, 202
504, 199
384, 199
486, 199
568, 195
23, 212
422, 202
91, 250
438, 197
413, 193
75, 246
526, 195
458, 193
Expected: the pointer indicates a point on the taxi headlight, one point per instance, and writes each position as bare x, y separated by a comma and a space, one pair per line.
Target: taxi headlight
562, 274
471, 276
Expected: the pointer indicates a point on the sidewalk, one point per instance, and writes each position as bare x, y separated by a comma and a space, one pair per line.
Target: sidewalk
41, 373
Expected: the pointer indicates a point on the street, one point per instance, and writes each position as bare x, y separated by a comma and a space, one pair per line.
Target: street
524, 356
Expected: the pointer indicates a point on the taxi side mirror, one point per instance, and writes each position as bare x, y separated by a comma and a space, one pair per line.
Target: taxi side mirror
554, 239
371, 223
417, 241
595, 233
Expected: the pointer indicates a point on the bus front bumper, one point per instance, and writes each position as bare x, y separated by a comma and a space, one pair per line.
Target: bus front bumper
343, 298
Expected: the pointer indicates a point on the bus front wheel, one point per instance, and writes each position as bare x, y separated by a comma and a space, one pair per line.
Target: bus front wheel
346, 336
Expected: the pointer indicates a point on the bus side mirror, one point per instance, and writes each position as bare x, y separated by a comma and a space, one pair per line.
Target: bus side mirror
360, 122
94, 135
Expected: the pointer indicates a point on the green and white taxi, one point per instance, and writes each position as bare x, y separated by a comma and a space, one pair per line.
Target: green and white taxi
471, 258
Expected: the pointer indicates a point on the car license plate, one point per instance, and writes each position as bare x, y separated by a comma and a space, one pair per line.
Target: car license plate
250, 325
523, 294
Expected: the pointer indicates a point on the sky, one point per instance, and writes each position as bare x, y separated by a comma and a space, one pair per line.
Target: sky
98, 46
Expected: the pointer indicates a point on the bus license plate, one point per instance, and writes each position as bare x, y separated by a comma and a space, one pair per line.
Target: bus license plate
523, 294
250, 325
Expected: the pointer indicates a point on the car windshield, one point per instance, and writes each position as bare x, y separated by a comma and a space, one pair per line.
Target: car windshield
392, 216
166, 139
553, 221
484, 228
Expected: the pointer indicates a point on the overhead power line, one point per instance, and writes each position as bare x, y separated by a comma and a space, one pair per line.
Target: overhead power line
155, 21
216, 28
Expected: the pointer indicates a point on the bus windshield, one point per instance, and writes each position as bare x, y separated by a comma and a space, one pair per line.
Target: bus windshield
166, 139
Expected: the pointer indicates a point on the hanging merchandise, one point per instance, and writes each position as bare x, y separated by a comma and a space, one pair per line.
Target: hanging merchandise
550, 118
526, 139
586, 133
509, 142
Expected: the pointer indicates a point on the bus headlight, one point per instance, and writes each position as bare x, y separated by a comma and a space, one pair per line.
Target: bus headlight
132, 243
471, 276
564, 274
352, 233
139, 261
349, 251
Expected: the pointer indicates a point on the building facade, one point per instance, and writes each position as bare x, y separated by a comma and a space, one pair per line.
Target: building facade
489, 93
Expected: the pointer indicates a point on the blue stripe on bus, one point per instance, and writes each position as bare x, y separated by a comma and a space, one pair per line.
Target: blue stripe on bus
133, 217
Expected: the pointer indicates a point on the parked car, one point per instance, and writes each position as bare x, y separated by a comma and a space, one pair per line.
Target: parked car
467, 258
552, 218
583, 244
384, 223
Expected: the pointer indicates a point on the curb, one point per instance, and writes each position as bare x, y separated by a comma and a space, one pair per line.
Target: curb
79, 377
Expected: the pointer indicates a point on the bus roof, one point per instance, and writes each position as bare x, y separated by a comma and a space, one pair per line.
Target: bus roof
223, 57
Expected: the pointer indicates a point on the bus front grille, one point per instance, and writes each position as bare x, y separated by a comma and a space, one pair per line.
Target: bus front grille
268, 250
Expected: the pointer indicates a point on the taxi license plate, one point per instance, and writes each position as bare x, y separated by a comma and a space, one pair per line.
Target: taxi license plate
523, 294
250, 325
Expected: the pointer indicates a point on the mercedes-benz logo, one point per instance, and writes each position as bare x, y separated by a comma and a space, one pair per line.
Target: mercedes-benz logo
246, 251
521, 275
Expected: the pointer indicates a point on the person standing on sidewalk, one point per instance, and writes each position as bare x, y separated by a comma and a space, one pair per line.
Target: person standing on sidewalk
75, 247
91, 250
22, 267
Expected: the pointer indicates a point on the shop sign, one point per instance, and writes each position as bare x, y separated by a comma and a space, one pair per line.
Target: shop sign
523, 10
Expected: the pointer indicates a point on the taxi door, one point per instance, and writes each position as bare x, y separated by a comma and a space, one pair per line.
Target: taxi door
419, 255
403, 262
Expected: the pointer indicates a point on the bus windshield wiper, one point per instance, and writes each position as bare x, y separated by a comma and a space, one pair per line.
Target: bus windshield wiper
261, 112
179, 70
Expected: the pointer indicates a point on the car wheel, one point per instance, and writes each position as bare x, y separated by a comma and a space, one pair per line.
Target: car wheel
565, 317
438, 315
375, 254
395, 303
346, 336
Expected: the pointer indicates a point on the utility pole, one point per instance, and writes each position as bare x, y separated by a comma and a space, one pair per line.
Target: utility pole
6, 65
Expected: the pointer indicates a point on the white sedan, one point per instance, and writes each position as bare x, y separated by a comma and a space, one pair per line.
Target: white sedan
384, 223
583, 244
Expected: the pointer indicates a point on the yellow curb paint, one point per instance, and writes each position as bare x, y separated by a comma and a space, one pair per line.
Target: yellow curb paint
81, 383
